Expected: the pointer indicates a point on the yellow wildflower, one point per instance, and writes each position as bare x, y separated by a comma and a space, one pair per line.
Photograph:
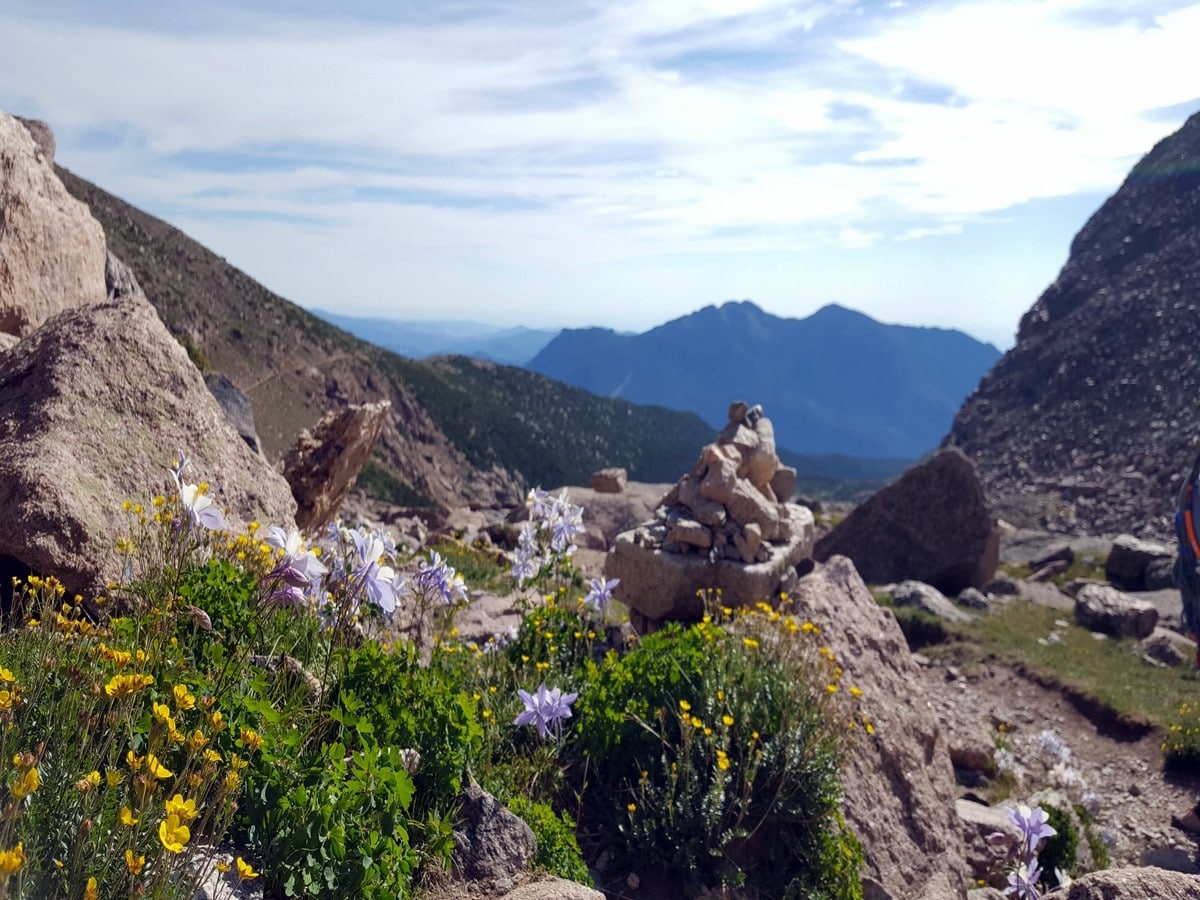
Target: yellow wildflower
212, 756
92, 891
684, 705
134, 863
113, 778
155, 768
27, 782
6, 674
722, 760
632, 807
9, 699
173, 833
245, 870
232, 780
120, 686
750, 642
855, 691
222, 866
162, 712
197, 741
184, 699
126, 817
216, 720
133, 761
695, 722
88, 782
185, 809
11, 861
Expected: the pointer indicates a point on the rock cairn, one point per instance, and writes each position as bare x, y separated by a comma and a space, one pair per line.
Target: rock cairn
725, 524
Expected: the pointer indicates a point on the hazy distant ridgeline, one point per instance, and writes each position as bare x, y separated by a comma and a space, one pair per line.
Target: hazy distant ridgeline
419, 339
835, 382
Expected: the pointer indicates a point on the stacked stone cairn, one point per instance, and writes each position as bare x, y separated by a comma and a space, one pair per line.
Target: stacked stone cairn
725, 525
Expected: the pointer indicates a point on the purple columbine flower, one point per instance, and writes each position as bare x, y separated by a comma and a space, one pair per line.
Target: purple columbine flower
378, 580
545, 710
438, 577
1022, 884
299, 567
601, 593
1032, 823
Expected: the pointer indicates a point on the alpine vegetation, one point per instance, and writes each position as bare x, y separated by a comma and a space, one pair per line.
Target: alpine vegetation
305, 710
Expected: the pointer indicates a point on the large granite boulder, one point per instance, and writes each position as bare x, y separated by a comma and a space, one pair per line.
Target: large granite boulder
322, 466
239, 412
1130, 559
1146, 883
721, 527
934, 525
52, 252
1102, 608
94, 406
899, 782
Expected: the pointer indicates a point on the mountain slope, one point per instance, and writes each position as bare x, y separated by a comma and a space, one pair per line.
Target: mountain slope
458, 433
837, 381
1091, 420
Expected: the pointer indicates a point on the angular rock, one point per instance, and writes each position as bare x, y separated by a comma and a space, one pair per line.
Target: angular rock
899, 784
610, 481
1129, 559
236, 407
1049, 570
1146, 883
1169, 647
1107, 610
932, 525
661, 585
321, 468
94, 406
52, 252
1159, 575
783, 484
43, 136
691, 533
490, 843
928, 598
972, 598
978, 822
1060, 552
705, 511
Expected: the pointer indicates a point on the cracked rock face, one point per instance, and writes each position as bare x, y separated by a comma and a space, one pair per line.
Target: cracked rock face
722, 526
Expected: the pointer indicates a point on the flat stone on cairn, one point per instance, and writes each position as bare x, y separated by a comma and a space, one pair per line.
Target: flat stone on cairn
722, 526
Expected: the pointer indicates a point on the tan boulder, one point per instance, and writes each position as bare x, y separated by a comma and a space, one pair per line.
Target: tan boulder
1147, 883
610, 481
52, 252
94, 407
898, 782
323, 464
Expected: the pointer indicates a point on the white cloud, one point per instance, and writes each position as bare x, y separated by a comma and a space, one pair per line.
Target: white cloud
481, 154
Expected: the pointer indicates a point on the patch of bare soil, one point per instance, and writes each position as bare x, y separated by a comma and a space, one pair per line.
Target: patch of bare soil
1139, 801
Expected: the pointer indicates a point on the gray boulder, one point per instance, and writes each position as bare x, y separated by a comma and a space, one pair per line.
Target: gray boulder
94, 406
933, 525
1130, 558
899, 783
52, 252
1146, 883
239, 413
930, 599
491, 844
1105, 609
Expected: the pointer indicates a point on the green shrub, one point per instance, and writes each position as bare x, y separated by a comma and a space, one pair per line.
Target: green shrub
1059, 851
557, 850
711, 751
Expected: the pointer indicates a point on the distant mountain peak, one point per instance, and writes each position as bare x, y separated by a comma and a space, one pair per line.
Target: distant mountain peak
896, 400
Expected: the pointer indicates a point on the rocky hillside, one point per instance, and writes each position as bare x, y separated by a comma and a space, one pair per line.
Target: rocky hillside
461, 432
835, 382
1090, 422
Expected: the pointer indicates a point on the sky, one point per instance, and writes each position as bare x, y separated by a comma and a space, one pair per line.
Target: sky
565, 163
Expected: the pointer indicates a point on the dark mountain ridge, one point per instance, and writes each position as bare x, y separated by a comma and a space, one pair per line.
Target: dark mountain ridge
1091, 420
834, 382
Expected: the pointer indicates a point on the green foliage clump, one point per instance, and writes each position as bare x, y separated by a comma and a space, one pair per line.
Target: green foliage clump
557, 849
1059, 850
712, 751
